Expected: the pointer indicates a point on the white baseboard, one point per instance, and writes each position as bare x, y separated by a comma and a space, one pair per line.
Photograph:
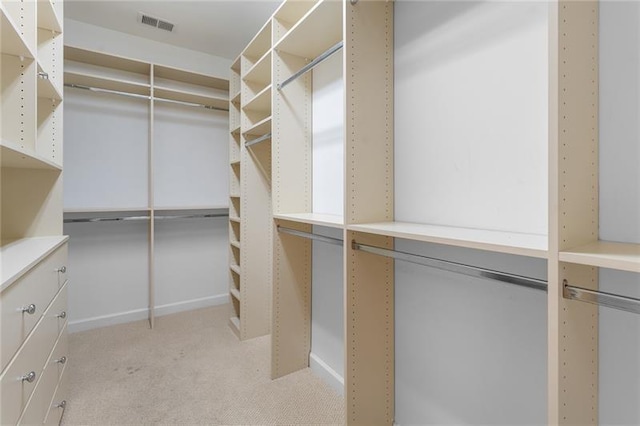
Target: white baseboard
141, 314
326, 373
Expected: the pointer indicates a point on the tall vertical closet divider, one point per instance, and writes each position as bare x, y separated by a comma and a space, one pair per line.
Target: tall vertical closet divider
112, 75
33, 251
303, 34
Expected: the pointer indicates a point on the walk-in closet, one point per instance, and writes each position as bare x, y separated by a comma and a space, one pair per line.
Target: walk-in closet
360, 212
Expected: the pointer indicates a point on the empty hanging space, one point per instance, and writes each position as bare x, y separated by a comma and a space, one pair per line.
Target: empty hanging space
471, 119
309, 114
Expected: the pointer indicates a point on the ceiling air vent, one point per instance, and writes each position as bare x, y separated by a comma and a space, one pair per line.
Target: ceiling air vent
154, 22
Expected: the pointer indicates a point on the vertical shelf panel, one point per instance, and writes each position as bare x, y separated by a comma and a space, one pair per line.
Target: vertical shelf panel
369, 302
291, 315
573, 135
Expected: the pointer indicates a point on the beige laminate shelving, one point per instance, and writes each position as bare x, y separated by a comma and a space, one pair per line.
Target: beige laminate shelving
152, 83
250, 188
32, 247
302, 30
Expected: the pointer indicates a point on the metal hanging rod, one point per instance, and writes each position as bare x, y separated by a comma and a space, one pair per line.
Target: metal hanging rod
127, 218
310, 236
258, 140
460, 268
192, 216
139, 96
193, 104
333, 49
105, 219
616, 301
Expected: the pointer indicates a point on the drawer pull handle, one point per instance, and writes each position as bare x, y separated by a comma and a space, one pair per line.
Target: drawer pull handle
62, 315
62, 404
62, 269
62, 360
31, 309
29, 377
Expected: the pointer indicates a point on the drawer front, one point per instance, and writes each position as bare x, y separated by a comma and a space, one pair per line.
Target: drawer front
37, 287
39, 404
59, 402
31, 358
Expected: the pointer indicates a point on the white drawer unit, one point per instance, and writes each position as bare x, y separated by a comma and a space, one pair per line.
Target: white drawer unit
34, 339
23, 303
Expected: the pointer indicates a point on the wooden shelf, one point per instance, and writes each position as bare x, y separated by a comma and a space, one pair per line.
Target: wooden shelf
235, 268
290, 12
235, 131
47, 16
19, 256
262, 127
603, 254
234, 219
10, 41
235, 66
12, 156
235, 244
260, 44
105, 60
190, 78
329, 220
193, 97
261, 71
236, 98
235, 293
235, 163
496, 241
102, 82
317, 31
260, 102
46, 88
189, 208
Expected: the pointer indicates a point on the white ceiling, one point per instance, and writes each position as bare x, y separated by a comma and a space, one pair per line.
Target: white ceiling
218, 27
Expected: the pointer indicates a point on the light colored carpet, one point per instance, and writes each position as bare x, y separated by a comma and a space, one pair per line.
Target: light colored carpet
191, 369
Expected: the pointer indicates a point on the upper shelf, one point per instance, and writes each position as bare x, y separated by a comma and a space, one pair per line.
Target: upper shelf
497, 241
262, 127
603, 254
19, 256
13, 157
193, 79
46, 88
261, 101
318, 30
290, 12
10, 41
260, 44
329, 220
261, 71
47, 16
105, 60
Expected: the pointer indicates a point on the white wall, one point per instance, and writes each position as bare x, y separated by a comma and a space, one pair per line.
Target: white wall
619, 337
328, 136
87, 36
327, 313
471, 114
327, 298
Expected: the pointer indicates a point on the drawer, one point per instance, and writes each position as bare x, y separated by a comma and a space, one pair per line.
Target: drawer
39, 404
37, 287
58, 403
15, 392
